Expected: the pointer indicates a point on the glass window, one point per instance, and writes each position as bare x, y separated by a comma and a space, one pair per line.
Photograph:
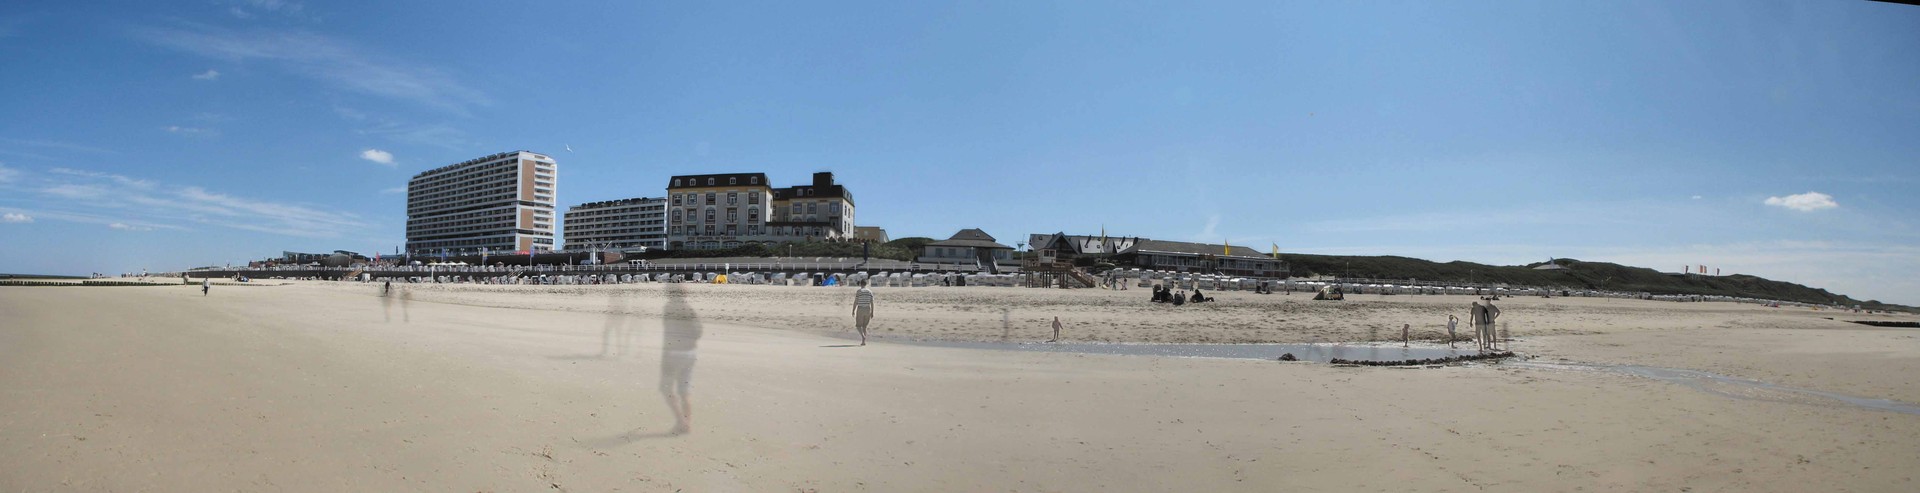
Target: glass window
733, 215
676, 182
733, 198
733, 180
813, 208
755, 180
710, 197
709, 182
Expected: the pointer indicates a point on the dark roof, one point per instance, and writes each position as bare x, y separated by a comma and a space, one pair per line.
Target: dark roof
478, 160
971, 237
1160, 246
1082, 244
610, 203
812, 192
720, 180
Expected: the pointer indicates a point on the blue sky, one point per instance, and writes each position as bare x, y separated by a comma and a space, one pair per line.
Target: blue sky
1768, 138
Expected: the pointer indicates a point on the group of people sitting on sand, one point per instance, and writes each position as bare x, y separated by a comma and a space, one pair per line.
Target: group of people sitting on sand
1164, 294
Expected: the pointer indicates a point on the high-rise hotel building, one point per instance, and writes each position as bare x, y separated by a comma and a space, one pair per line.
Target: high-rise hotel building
500, 203
706, 212
617, 225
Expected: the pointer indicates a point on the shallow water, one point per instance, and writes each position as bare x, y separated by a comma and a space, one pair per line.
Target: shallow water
1738, 388
1320, 353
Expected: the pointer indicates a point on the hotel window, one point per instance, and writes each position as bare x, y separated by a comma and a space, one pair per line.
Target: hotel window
754, 180
753, 198
709, 215
733, 215
676, 215
753, 215
833, 208
733, 180
676, 182
709, 182
733, 198
676, 199
709, 230
710, 197
796, 208
813, 208
731, 231
753, 230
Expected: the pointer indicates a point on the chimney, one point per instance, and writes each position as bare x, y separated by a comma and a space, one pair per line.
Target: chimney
823, 179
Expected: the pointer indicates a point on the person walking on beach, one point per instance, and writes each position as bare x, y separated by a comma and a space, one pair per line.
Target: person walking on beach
206, 284
862, 310
1406, 335
1056, 330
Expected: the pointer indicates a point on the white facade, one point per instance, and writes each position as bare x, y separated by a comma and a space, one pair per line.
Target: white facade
617, 225
499, 203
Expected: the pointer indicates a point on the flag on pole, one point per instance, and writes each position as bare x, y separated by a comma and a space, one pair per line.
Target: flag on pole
1276, 251
1226, 248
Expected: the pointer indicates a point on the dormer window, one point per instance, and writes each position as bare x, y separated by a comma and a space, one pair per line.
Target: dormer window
753, 180
733, 180
676, 182
709, 182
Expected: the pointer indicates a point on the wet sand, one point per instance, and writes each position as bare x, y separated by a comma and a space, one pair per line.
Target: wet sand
327, 387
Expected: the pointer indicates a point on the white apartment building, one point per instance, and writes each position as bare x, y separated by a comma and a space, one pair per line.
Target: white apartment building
499, 203
706, 212
624, 225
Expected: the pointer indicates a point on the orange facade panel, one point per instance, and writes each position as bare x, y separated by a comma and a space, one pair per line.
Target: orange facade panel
526, 182
526, 219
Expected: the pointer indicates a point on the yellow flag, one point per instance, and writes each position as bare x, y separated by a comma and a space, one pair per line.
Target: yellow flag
1226, 248
1276, 250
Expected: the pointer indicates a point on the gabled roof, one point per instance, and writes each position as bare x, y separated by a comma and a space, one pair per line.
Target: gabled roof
971, 237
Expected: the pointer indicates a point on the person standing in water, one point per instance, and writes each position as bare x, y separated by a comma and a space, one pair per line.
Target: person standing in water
862, 310
1477, 317
1451, 322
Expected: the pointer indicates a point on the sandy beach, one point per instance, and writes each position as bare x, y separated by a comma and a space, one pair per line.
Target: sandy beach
317, 386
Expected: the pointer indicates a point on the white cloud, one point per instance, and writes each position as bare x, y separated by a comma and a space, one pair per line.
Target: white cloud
210, 74
12, 217
378, 156
141, 205
325, 59
1810, 201
8, 174
192, 131
120, 179
394, 190
1696, 197
74, 191
65, 146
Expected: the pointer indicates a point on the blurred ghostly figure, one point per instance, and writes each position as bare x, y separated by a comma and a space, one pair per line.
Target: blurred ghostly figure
386, 301
616, 337
679, 339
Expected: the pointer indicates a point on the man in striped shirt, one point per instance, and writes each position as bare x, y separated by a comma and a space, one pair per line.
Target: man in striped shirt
862, 310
